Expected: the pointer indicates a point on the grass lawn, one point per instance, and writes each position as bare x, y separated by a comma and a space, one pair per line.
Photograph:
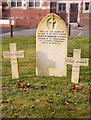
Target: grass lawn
44, 97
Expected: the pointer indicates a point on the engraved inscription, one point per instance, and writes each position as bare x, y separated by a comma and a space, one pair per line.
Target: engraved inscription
16, 54
52, 37
75, 61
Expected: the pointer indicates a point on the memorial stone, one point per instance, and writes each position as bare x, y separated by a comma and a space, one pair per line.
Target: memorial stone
51, 46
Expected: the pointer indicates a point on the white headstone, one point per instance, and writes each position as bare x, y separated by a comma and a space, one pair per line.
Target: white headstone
76, 62
51, 46
13, 54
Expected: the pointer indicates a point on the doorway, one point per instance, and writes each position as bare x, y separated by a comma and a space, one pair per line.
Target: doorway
73, 13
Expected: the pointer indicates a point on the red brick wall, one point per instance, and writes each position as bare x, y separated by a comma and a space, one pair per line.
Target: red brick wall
85, 20
33, 22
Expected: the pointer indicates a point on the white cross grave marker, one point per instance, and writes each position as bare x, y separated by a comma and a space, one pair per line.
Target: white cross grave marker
13, 54
76, 62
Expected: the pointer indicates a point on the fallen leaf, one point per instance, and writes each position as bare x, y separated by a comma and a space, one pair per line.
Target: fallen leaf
33, 107
53, 112
33, 99
43, 86
73, 90
69, 109
37, 100
28, 89
50, 101
89, 87
4, 101
62, 90
43, 113
36, 88
28, 85
24, 90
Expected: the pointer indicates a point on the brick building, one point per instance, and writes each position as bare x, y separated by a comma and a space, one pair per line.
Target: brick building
30, 12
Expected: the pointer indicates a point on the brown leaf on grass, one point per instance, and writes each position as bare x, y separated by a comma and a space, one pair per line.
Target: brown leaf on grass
33, 99
34, 87
24, 90
83, 89
65, 82
28, 89
43, 86
37, 100
33, 106
28, 85
8, 89
85, 103
88, 99
21, 80
62, 90
18, 81
66, 102
5, 86
53, 112
19, 86
75, 88
4, 101
49, 101
43, 113
69, 109
57, 93
89, 87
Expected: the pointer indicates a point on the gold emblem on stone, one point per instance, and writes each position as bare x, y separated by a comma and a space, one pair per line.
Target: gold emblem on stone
51, 22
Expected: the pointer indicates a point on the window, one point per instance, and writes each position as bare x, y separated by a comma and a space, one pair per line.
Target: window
62, 6
87, 6
16, 3
36, 3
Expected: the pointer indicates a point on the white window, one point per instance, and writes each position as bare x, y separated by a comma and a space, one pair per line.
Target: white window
86, 6
34, 3
16, 3
62, 7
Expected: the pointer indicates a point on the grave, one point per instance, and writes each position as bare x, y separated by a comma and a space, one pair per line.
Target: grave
51, 46
76, 61
13, 54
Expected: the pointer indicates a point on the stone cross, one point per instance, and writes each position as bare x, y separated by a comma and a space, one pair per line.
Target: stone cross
76, 62
13, 54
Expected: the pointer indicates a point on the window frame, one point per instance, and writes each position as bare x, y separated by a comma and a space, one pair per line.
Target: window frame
16, 6
62, 5
58, 7
84, 6
34, 5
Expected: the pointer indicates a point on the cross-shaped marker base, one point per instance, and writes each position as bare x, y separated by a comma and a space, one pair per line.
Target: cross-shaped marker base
76, 62
13, 54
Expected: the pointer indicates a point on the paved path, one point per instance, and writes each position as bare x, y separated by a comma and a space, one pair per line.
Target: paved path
20, 32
